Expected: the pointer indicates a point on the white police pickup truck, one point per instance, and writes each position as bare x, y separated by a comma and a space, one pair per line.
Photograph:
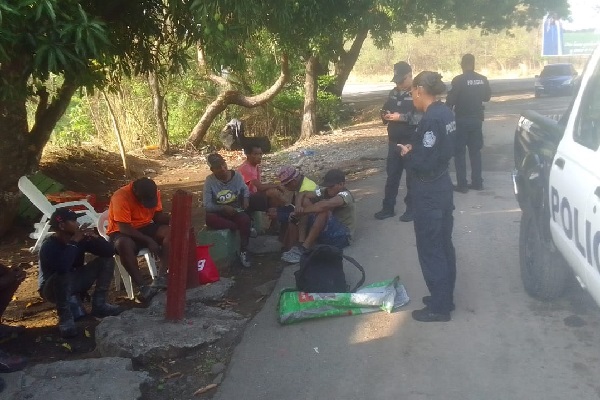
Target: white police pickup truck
557, 184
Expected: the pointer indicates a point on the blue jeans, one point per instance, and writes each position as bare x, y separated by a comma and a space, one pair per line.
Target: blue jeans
335, 233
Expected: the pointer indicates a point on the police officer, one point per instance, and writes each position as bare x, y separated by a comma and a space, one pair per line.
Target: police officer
469, 90
399, 114
427, 158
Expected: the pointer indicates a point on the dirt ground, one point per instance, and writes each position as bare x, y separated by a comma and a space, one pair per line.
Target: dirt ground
96, 171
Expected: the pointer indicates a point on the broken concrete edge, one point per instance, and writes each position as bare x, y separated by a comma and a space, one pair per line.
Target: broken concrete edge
113, 377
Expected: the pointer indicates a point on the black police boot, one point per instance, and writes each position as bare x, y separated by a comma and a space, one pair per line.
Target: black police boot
427, 301
384, 213
426, 315
407, 216
66, 322
100, 308
461, 189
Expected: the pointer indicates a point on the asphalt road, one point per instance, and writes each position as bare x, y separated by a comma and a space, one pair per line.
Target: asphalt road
500, 344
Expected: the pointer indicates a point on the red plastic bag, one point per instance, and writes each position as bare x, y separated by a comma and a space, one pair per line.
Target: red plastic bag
207, 270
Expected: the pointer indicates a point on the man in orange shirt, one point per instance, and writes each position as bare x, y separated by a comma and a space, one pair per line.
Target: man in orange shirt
136, 221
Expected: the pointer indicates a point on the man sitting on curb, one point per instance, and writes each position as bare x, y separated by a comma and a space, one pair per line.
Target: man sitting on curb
136, 221
10, 279
331, 216
263, 196
297, 183
64, 273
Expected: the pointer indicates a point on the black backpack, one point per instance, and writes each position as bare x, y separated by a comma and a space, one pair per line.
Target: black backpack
322, 271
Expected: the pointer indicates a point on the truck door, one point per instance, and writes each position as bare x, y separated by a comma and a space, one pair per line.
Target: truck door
575, 184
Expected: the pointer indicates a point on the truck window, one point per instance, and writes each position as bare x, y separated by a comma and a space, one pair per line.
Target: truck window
587, 126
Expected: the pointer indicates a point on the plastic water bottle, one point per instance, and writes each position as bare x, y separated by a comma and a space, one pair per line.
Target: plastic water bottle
307, 152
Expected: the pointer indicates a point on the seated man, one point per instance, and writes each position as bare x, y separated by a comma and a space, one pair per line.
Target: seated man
226, 197
10, 279
263, 196
136, 221
64, 275
331, 216
297, 183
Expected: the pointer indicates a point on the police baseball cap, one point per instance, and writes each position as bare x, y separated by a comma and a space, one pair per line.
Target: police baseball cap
400, 70
146, 192
333, 177
62, 215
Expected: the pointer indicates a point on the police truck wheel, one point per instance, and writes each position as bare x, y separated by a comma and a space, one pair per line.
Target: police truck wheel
543, 271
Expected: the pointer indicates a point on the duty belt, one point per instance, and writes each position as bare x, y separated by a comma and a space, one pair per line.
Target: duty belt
430, 176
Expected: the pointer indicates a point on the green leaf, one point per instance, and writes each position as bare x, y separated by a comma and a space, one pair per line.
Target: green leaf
50, 10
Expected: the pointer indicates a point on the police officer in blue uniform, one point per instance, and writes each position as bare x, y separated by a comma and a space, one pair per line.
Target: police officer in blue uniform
399, 114
469, 90
427, 158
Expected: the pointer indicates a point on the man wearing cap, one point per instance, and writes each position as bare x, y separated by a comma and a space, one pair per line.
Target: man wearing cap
135, 221
466, 97
226, 198
330, 215
64, 275
294, 181
401, 118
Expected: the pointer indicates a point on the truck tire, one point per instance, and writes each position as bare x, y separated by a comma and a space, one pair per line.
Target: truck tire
543, 270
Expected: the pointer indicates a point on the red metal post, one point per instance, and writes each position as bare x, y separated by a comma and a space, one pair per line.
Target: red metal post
192, 265
181, 215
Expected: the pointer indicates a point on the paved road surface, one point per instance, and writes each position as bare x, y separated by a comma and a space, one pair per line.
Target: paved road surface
500, 344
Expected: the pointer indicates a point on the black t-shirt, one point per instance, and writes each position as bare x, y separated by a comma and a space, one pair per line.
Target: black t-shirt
469, 91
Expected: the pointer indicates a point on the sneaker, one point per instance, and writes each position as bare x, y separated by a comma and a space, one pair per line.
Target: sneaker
407, 217
245, 259
160, 282
146, 293
427, 301
11, 363
293, 255
383, 214
475, 187
253, 233
461, 189
426, 315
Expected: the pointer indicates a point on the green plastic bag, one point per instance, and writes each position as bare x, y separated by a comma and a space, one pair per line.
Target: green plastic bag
388, 295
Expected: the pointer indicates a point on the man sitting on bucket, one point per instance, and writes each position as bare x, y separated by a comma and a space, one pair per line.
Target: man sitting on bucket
330, 216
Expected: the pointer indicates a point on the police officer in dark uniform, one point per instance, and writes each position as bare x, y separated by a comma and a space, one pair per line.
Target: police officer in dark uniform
399, 114
469, 90
427, 158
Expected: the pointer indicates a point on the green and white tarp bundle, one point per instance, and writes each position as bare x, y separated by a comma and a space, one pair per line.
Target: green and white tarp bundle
388, 295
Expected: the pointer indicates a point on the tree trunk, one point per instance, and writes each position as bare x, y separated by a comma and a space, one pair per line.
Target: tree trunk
347, 61
309, 116
211, 112
227, 97
158, 100
117, 131
21, 148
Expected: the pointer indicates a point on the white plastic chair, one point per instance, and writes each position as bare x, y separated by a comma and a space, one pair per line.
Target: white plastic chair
124, 275
38, 199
